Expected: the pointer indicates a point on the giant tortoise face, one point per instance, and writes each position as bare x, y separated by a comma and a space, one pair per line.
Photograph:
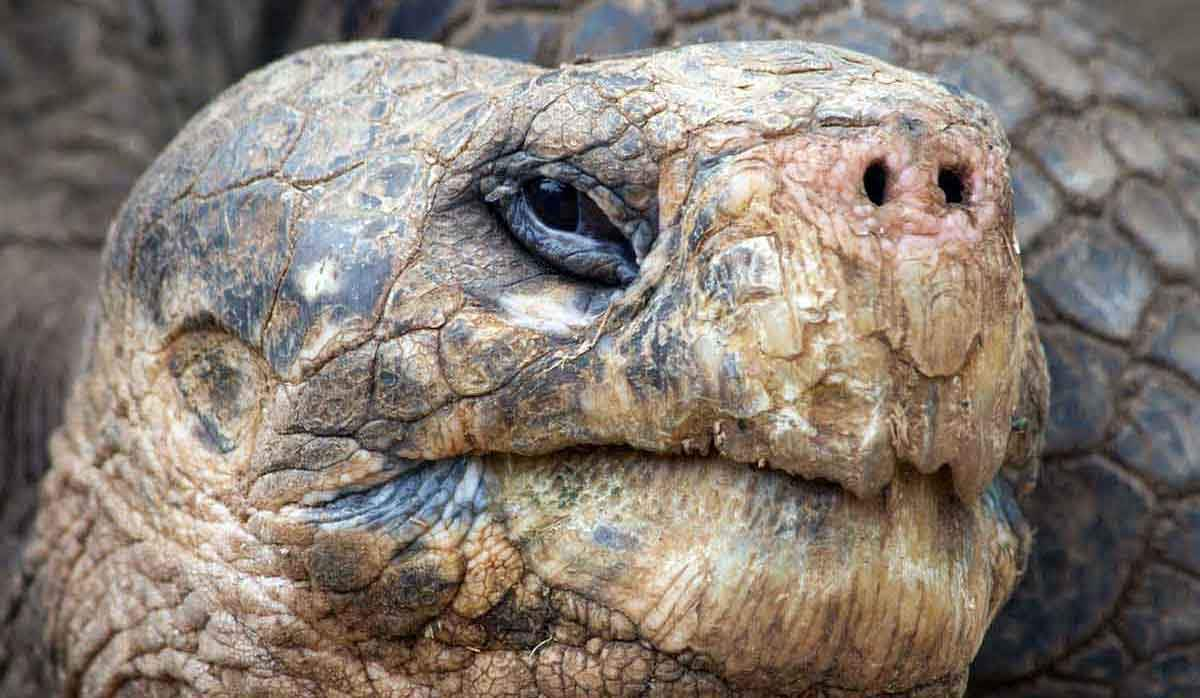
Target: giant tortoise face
696, 371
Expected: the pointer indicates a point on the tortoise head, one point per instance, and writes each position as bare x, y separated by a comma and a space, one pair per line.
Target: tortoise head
693, 369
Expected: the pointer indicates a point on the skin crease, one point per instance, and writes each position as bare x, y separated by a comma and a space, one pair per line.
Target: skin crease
369, 463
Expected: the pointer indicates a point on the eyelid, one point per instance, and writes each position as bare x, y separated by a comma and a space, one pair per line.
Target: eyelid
595, 257
500, 185
499, 188
508, 175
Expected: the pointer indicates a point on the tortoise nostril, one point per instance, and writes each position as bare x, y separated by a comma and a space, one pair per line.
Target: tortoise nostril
951, 184
875, 182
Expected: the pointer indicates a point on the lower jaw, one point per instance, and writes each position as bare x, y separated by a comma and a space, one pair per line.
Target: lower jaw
777, 581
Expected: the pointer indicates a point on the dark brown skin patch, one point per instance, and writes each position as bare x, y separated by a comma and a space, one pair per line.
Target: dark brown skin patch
220, 384
347, 561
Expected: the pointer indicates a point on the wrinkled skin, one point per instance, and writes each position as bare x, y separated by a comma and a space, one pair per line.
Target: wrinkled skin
1106, 170
372, 459
1075, 632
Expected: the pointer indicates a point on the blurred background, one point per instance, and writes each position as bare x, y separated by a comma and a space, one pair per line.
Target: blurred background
1170, 29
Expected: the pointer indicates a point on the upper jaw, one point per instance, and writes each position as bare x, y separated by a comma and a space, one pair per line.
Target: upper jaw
782, 320
781, 317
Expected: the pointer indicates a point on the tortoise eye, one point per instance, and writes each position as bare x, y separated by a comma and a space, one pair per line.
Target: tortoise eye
555, 204
566, 229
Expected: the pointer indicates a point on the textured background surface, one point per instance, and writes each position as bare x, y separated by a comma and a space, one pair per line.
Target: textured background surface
1169, 28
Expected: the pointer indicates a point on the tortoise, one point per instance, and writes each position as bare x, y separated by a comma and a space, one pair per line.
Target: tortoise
440, 373
1096, 189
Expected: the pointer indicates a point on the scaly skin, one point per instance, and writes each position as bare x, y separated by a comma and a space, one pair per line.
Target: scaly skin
398, 454
1106, 170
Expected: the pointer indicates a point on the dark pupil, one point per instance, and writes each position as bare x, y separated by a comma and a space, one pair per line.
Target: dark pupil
554, 203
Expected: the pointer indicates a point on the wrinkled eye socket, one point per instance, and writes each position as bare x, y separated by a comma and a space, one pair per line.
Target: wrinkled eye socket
565, 228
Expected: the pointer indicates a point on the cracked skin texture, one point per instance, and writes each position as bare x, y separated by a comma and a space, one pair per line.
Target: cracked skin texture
338, 433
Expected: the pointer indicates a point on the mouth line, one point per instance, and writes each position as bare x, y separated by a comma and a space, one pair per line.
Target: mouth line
590, 465
470, 466
704, 552
617, 498
763, 466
